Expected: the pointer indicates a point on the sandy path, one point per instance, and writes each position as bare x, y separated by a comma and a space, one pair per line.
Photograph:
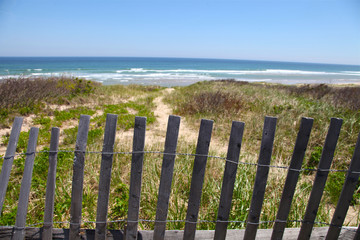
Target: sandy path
155, 133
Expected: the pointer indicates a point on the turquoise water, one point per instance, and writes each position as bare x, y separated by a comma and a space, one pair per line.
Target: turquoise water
176, 71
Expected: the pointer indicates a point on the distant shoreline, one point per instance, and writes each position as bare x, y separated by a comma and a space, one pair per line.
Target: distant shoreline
169, 72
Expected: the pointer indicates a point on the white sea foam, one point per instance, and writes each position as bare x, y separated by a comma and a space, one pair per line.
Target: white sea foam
188, 76
38, 69
354, 73
9, 76
232, 72
133, 70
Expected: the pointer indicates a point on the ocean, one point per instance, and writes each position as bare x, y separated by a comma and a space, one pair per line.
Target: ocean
177, 71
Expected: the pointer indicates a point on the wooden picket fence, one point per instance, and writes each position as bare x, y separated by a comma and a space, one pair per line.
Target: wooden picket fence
334, 231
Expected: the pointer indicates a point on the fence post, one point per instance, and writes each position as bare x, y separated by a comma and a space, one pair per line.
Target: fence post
167, 171
105, 176
78, 177
261, 178
197, 180
227, 188
9, 159
347, 192
136, 177
19, 229
320, 178
292, 177
50, 184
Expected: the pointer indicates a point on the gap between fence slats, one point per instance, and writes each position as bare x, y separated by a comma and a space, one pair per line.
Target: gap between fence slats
9, 159
197, 179
167, 171
261, 176
105, 176
78, 177
20, 223
346, 195
320, 178
227, 188
136, 177
50, 185
292, 177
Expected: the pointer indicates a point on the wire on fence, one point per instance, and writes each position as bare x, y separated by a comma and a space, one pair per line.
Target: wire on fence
185, 154
184, 221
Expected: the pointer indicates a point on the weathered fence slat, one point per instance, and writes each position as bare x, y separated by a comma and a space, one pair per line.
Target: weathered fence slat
167, 171
105, 176
347, 192
19, 229
9, 159
292, 177
320, 178
136, 177
202, 150
227, 188
50, 184
257, 199
78, 177
357, 235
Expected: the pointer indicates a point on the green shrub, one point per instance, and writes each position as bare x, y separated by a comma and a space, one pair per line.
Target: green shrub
314, 160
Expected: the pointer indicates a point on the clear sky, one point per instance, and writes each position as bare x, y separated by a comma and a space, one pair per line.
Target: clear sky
326, 31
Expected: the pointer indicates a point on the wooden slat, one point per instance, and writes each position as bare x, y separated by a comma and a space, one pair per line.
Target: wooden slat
347, 193
9, 159
78, 177
105, 176
292, 177
233, 234
166, 176
136, 177
320, 178
357, 235
261, 177
19, 229
197, 180
50, 184
227, 188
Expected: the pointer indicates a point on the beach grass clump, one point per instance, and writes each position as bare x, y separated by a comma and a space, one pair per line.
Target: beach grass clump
340, 96
23, 96
219, 102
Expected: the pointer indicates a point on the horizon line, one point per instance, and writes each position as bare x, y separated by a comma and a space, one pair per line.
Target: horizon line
205, 58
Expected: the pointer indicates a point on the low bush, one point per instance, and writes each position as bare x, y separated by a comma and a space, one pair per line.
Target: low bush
347, 97
212, 102
29, 95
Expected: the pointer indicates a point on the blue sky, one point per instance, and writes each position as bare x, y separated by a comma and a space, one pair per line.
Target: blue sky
322, 31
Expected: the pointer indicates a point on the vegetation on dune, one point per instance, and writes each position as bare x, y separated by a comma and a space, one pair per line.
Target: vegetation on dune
23, 96
222, 101
125, 101
252, 101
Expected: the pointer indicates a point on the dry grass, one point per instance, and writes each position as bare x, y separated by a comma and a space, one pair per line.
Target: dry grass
288, 104
25, 92
222, 101
23, 96
346, 97
212, 102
